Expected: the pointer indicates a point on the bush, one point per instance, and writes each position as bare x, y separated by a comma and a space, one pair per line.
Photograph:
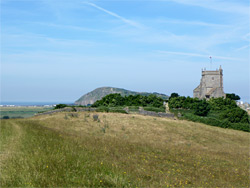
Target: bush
224, 112
235, 115
218, 123
58, 106
201, 108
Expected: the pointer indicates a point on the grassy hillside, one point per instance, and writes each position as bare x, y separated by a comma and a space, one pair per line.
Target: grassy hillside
99, 93
120, 150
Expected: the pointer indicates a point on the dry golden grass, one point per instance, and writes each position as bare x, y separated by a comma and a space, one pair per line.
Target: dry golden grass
160, 150
146, 151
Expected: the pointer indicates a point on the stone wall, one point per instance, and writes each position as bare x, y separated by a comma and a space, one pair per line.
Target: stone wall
156, 114
78, 109
67, 109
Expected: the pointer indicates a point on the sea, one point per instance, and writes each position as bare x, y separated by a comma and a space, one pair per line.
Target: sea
2, 103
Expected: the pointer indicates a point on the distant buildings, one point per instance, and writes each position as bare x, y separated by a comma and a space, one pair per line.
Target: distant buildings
211, 85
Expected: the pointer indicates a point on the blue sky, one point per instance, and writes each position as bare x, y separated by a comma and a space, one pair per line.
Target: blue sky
58, 50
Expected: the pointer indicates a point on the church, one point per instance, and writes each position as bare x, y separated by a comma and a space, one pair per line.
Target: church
211, 85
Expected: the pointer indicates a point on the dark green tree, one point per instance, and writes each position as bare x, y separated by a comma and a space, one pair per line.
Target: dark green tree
174, 95
220, 104
58, 106
114, 100
232, 96
201, 108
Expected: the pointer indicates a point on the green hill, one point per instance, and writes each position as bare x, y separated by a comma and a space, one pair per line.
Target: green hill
101, 92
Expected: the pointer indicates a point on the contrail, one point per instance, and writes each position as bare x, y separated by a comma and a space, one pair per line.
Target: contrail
132, 23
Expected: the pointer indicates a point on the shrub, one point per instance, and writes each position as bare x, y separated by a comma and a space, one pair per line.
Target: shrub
201, 108
236, 115
218, 123
58, 106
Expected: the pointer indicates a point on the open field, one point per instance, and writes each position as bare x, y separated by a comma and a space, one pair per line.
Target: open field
21, 111
121, 150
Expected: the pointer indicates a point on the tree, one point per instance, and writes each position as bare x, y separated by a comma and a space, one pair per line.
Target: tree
58, 106
113, 100
232, 96
220, 104
201, 108
174, 95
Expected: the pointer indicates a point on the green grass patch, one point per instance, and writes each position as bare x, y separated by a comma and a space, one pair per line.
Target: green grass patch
21, 112
153, 109
111, 109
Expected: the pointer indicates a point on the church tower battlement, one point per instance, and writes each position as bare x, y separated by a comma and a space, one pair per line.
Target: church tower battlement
211, 85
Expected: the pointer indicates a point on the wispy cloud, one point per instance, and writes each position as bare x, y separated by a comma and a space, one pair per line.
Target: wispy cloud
130, 22
198, 23
217, 5
200, 55
243, 48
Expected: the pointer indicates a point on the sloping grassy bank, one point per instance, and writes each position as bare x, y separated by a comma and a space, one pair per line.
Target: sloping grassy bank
120, 150
46, 158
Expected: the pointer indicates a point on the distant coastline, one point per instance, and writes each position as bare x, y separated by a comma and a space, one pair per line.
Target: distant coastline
32, 103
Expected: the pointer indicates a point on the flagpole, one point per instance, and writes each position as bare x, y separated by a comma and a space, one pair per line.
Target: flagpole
210, 63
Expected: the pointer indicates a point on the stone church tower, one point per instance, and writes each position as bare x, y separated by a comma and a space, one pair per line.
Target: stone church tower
211, 85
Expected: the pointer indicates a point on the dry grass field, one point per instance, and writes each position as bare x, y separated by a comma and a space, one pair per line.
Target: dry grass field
120, 150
